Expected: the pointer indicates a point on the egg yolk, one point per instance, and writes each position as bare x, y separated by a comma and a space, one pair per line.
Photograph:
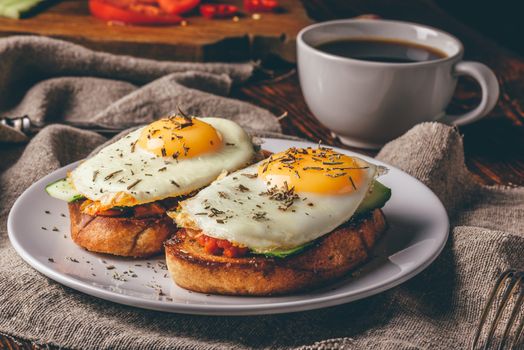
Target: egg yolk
179, 137
320, 170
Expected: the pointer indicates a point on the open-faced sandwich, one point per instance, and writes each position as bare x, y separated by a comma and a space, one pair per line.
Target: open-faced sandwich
291, 222
118, 198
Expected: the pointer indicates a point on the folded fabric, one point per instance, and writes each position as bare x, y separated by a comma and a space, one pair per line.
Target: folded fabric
437, 309
51, 80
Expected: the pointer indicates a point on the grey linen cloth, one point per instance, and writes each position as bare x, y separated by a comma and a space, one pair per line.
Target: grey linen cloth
52, 80
437, 309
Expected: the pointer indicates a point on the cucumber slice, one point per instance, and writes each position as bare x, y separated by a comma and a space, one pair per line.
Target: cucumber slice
16, 8
378, 196
285, 253
63, 190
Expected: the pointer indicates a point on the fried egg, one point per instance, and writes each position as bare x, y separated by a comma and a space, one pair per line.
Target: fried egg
170, 157
285, 201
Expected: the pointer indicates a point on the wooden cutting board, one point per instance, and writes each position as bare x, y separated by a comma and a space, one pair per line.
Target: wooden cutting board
200, 40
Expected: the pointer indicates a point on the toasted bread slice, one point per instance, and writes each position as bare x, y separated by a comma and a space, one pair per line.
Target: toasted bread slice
329, 258
124, 236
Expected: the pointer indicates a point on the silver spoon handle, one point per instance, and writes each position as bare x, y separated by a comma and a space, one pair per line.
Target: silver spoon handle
26, 126
22, 124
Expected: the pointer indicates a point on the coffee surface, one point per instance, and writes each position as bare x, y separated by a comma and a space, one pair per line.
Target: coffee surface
381, 50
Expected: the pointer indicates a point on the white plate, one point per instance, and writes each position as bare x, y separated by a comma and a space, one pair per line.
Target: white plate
38, 227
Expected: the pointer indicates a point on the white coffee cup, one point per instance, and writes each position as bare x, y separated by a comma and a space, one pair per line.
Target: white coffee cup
368, 103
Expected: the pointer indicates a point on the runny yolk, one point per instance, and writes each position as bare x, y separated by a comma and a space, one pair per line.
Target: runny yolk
179, 138
320, 170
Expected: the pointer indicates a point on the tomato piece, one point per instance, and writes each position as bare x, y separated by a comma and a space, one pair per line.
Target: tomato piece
235, 252
176, 7
261, 5
202, 240
217, 246
134, 13
146, 210
211, 247
222, 243
218, 10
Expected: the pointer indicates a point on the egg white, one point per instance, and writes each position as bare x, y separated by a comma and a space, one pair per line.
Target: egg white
255, 221
160, 177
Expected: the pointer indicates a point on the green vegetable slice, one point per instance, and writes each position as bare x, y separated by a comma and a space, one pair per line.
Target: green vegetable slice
63, 190
285, 253
16, 8
376, 198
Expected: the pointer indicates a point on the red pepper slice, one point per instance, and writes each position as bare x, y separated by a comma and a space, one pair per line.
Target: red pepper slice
218, 10
136, 13
176, 7
261, 5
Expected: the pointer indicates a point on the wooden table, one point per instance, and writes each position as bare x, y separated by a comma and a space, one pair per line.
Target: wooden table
199, 39
494, 146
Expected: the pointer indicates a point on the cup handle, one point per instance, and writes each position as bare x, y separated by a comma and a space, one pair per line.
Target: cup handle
490, 92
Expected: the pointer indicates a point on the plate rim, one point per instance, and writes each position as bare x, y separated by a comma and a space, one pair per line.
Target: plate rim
302, 304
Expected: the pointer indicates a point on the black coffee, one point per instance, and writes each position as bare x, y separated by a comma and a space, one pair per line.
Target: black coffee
381, 50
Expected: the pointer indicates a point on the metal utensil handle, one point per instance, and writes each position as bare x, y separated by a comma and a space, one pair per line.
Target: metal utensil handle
22, 124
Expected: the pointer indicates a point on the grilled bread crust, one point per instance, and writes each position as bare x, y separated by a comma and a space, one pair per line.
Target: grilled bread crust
331, 257
124, 236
